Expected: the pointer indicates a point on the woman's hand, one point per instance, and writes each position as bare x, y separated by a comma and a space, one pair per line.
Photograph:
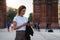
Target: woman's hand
17, 27
22, 25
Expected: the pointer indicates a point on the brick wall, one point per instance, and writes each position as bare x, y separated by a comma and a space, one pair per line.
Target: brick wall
45, 11
2, 13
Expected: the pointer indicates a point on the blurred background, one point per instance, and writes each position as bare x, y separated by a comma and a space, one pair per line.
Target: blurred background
35, 11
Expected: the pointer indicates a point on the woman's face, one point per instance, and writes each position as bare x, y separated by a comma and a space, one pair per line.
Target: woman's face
22, 12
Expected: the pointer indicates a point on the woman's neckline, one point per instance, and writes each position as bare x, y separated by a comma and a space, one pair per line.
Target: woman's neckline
20, 16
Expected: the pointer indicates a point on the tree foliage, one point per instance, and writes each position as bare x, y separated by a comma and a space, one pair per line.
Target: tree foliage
30, 17
10, 15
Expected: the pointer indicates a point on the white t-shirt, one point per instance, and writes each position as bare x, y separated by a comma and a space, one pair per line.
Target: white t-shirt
20, 20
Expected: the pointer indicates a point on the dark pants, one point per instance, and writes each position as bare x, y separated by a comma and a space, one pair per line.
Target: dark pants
8, 28
20, 35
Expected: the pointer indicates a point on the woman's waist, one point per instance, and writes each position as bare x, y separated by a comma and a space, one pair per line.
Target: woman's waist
22, 28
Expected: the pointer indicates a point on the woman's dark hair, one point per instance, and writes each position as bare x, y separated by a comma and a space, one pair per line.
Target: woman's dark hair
20, 8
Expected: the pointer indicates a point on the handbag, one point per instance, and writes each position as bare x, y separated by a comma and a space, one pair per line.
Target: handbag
29, 30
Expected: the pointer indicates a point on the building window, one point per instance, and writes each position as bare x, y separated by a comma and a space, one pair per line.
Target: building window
0, 20
49, 1
0, 9
1, 2
37, 1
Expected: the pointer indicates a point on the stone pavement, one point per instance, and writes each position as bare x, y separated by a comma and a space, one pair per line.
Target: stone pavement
42, 35
46, 35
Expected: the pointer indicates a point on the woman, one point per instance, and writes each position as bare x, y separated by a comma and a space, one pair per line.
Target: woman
20, 23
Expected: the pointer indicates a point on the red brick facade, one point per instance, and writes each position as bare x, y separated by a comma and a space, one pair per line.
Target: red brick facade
2, 13
45, 11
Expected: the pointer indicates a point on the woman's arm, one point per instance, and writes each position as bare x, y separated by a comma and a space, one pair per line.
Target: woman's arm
21, 25
15, 25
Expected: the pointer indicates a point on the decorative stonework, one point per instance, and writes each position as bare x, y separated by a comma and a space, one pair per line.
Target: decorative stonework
45, 11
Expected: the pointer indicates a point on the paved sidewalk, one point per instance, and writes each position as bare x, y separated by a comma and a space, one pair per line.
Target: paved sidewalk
46, 35
42, 35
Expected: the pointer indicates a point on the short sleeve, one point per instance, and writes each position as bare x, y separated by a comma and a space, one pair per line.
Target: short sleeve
26, 19
15, 19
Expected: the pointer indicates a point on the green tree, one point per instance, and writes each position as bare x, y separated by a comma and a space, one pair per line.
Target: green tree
30, 17
10, 15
